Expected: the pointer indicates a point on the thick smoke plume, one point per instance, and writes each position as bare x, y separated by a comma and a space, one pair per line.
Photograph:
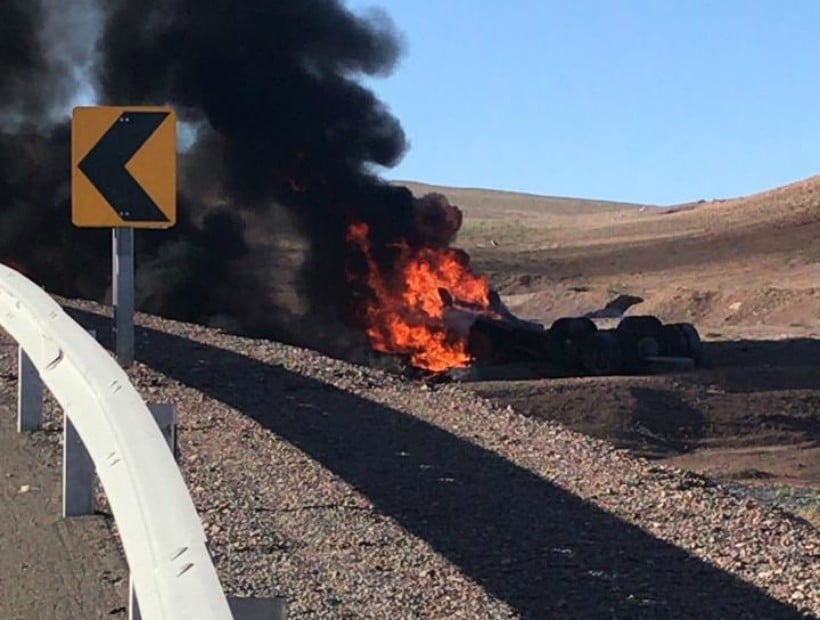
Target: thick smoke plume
35, 229
285, 142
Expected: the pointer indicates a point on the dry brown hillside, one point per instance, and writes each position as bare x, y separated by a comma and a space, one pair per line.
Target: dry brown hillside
751, 262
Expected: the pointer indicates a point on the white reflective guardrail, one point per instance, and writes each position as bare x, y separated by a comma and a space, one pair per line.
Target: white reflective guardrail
161, 533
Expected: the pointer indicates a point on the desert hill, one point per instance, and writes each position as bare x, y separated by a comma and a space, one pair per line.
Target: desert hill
749, 261
484, 203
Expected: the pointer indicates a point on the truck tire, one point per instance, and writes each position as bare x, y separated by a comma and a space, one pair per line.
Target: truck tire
567, 337
645, 326
673, 342
689, 337
640, 338
602, 354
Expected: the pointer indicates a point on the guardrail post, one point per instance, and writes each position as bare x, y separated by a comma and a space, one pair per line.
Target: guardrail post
257, 608
241, 608
78, 470
166, 418
78, 474
29, 394
133, 605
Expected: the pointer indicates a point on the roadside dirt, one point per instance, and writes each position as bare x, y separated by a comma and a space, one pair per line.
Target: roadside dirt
745, 272
741, 421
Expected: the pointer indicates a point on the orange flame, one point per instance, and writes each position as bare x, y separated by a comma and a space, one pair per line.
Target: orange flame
405, 312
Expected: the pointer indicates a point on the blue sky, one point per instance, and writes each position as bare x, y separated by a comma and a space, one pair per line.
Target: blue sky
647, 101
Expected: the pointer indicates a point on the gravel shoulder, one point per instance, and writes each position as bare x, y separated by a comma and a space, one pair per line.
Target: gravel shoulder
358, 495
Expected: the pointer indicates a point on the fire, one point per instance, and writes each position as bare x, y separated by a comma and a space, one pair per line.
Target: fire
405, 312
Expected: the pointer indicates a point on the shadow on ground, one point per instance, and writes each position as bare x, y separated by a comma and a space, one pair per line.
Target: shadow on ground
789, 364
748, 393
526, 541
673, 433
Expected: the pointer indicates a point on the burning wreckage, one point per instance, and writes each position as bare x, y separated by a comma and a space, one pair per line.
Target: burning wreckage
283, 133
430, 310
581, 345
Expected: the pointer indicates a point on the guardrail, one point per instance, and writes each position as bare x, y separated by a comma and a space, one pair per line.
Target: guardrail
161, 533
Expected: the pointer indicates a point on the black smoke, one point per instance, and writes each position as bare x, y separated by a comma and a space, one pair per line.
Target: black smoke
35, 230
23, 61
286, 144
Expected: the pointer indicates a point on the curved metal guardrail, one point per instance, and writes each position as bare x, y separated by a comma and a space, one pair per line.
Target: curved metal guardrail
161, 532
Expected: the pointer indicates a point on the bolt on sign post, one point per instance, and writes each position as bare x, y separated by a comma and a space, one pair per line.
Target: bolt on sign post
123, 176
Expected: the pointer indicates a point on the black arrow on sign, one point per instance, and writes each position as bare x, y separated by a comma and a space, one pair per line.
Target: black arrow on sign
105, 166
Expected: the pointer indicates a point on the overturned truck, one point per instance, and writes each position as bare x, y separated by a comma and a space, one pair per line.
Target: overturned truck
599, 343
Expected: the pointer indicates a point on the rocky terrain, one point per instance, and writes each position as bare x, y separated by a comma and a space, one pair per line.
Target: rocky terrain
356, 494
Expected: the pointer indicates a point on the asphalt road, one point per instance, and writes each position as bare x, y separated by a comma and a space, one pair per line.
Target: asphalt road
50, 568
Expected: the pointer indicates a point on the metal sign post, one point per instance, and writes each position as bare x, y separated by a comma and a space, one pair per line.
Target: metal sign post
122, 255
123, 176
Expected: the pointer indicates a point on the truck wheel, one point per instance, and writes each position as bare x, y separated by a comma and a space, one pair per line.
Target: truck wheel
647, 347
638, 327
694, 346
568, 335
674, 342
602, 353
640, 338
